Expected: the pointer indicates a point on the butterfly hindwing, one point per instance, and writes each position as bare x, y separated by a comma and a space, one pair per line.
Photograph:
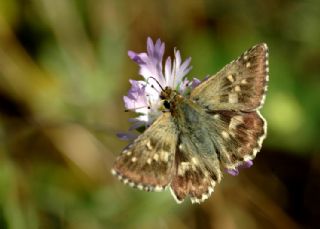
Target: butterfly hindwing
240, 85
238, 135
197, 166
148, 162
195, 174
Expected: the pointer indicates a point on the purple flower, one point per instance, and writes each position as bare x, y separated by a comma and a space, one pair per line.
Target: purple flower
244, 165
143, 96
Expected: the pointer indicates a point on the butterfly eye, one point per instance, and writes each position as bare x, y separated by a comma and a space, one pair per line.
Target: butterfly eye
166, 104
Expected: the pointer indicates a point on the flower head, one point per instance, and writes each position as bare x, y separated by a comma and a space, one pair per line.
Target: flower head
143, 96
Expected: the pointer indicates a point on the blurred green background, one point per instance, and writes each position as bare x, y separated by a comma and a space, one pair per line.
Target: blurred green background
64, 69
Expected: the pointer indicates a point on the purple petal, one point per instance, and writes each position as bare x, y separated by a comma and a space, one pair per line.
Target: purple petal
135, 57
177, 57
233, 172
134, 90
185, 68
150, 46
136, 97
195, 82
246, 165
179, 70
128, 102
159, 50
184, 85
167, 71
127, 136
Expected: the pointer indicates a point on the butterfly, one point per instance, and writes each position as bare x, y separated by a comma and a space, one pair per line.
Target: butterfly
216, 127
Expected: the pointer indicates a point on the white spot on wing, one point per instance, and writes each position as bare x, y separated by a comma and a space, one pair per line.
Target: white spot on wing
156, 157
237, 88
158, 188
225, 135
183, 167
127, 152
216, 116
233, 98
244, 81
164, 156
230, 78
235, 121
149, 147
113, 172
194, 160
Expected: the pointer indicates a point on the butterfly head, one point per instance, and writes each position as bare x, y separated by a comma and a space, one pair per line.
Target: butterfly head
169, 97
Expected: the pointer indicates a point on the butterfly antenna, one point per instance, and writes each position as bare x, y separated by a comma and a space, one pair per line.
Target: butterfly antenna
151, 77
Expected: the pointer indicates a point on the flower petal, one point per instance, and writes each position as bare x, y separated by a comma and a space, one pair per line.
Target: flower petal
136, 57
127, 136
244, 165
167, 71
233, 172
136, 97
195, 82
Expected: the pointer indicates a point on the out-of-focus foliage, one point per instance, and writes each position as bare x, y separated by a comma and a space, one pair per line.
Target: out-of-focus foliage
63, 72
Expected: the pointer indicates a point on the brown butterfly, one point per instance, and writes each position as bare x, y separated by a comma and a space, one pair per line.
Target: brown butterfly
217, 126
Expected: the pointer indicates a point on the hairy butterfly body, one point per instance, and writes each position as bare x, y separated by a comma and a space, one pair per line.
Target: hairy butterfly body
218, 126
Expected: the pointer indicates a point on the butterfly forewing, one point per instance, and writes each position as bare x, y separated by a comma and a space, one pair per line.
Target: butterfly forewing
148, 162
240, 85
